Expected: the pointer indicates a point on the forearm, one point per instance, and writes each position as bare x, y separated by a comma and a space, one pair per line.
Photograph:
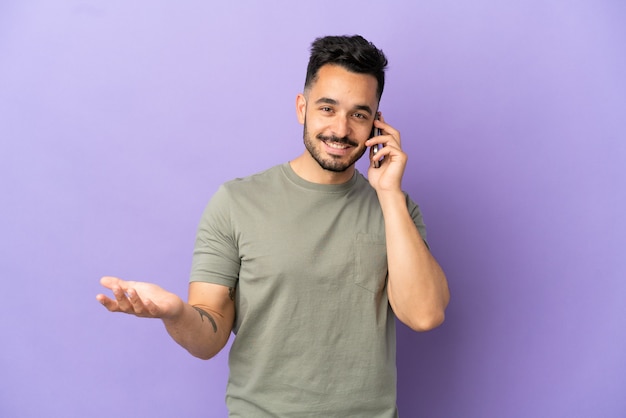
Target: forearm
417, 287
199, 330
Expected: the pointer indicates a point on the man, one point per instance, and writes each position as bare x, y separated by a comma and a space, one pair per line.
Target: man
309, 263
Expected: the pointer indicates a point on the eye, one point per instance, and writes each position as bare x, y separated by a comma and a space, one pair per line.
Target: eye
359, 115
326, 109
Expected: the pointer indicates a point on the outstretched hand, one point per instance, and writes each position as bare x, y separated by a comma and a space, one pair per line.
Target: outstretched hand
140, 299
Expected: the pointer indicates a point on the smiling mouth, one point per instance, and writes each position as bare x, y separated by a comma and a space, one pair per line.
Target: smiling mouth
336, 145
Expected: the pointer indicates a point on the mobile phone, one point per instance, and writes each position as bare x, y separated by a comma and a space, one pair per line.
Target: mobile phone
376, 147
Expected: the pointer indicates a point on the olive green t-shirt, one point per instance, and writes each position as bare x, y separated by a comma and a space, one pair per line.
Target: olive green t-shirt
315, 334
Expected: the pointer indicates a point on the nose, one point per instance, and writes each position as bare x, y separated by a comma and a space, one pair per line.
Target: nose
340, 127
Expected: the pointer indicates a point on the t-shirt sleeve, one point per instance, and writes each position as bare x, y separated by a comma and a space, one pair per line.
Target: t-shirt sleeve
216, 255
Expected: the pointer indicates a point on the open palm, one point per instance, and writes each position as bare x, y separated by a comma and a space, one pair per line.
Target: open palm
140, 299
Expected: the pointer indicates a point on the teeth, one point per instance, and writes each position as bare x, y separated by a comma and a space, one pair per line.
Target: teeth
336, 145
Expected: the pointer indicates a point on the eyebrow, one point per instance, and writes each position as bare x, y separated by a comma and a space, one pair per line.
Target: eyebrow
328, 100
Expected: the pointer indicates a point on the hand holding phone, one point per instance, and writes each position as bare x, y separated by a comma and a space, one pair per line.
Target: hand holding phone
376, 147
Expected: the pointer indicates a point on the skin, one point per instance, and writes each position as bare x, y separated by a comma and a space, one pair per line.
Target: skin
340, 105
188, 322
338, 111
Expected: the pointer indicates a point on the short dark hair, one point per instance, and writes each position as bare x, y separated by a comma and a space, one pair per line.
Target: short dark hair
354, 53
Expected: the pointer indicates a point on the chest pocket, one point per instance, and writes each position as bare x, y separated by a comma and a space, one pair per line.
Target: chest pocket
371, 262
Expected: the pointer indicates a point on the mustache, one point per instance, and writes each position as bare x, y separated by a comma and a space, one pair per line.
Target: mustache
333, 138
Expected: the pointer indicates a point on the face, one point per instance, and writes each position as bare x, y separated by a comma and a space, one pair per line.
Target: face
338, 112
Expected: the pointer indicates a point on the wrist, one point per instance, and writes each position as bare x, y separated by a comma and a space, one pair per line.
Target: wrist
391, 201
176, 311
390, 195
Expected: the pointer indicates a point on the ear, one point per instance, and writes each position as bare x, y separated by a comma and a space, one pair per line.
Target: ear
301, 108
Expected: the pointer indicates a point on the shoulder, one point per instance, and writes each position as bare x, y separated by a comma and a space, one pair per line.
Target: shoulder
254, 181
249, 191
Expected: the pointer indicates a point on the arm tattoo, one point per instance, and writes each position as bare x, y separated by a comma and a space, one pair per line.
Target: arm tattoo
231, 293
204, 314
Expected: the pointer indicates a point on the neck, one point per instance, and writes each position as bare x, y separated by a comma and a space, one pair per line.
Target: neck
309, 169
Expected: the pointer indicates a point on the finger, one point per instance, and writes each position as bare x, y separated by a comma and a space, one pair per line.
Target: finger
152, 308
391, 153
109, 282
380, 122
379, 158
393, 137
390, 141
122, 299
108, 303
387, 139
139, 306
379, 139
387, 129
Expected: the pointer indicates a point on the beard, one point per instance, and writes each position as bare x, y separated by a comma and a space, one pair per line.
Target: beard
332, 163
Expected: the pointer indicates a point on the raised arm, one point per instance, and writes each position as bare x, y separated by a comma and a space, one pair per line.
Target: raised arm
417, 287
202, 325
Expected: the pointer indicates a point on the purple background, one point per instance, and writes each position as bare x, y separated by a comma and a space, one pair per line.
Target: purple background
119, 119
